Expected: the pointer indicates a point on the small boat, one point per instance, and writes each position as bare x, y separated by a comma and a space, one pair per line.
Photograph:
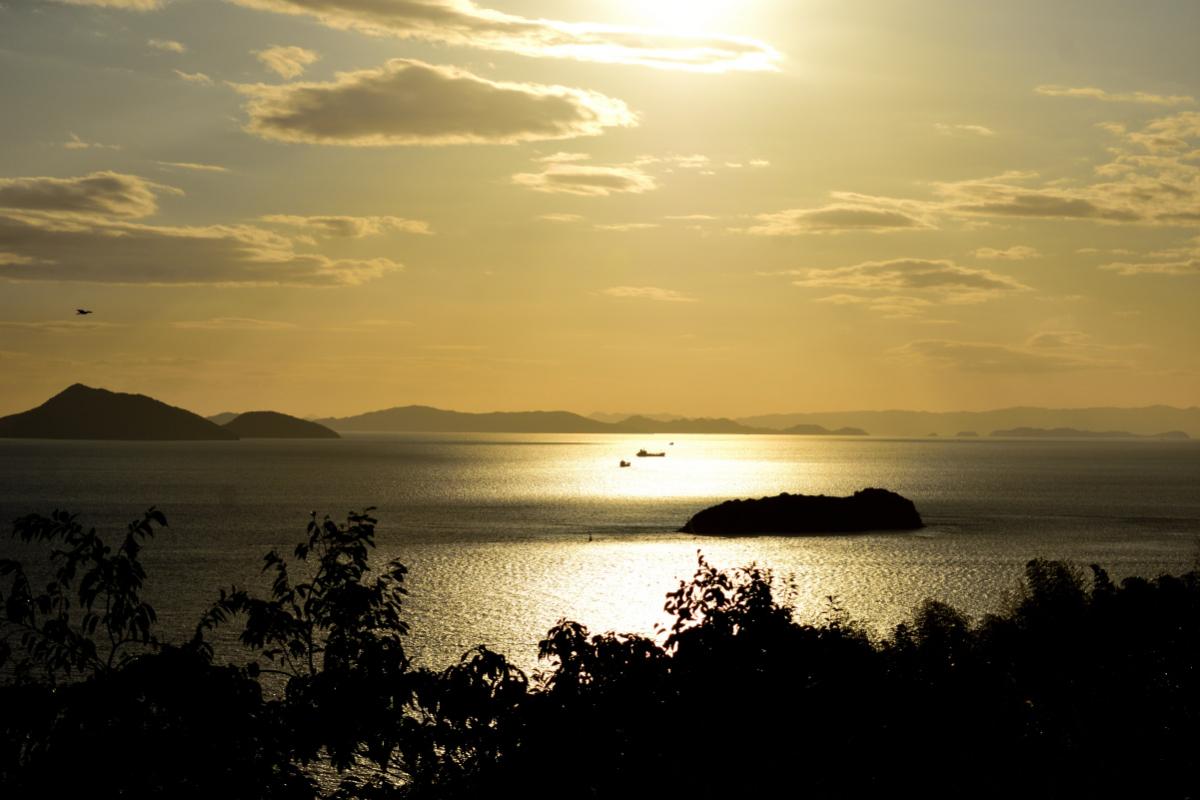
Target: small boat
625, 463
646, 454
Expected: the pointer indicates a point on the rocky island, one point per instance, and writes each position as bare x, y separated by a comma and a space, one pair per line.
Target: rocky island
273, 425
866, 510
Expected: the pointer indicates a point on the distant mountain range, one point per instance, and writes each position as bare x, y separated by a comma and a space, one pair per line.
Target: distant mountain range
82, 412
424, 419
1074, 433
1145, 421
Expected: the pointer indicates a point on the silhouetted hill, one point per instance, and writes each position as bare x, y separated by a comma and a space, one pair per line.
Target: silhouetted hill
81, 412
1074, 433
1144, 421
417, 419
819, 430
273, 425
640, 424
223, 417
865, 510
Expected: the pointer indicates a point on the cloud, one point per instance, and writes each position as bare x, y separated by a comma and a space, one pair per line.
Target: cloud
562, 158
949, 130
63, 325
953, 283
649, 293
1189, 266
463, 23
627, 226
234, 324
849, 212
587, 180
192, 166
167, 45
1002, 197
351, 227
891, 307
84, 229
107, 193
287, 62
409, 102
1017, 252
198, 78
128, 5
1092, 93
76, 143
559, 217
1062, 356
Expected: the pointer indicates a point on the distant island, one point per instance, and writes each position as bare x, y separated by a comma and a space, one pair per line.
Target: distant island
1073, 433
81, 412
426, 419
866, 510
273, 425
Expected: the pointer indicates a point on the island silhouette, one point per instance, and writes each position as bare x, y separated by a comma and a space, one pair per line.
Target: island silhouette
273, 425
866, 510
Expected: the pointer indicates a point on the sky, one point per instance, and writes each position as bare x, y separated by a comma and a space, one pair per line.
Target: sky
702, 207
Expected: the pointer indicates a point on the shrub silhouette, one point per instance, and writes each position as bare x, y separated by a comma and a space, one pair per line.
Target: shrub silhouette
1082, 688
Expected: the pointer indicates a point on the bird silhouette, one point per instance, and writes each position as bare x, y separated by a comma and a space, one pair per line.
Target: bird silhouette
79, 312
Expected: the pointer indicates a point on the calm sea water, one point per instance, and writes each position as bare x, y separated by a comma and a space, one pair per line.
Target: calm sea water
505, 534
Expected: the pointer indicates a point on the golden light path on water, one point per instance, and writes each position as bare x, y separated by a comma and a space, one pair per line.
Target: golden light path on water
506, 594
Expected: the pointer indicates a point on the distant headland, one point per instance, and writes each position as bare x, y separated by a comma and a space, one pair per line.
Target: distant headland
81, 412
865, 510
84, 412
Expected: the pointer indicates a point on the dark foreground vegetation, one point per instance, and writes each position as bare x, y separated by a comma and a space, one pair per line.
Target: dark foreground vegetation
1081, 689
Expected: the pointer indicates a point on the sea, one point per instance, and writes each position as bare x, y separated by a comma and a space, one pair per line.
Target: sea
506, 534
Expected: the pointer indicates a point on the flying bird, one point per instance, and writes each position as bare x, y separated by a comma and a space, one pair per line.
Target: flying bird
79, 312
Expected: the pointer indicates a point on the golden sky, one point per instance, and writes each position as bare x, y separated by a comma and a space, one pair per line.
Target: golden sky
703, 207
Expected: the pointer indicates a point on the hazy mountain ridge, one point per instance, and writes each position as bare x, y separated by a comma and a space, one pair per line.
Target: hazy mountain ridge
1075, 433
426, 419
1144, 421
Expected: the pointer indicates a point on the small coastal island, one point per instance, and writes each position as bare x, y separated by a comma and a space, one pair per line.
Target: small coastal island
866, 510
274, 425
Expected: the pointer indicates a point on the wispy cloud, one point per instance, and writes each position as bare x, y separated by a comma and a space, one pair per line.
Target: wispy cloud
1093, 93
62, 325
949, 282
1018, 252
947, 129
167, 45
198, 78
234, 324
587, 180
192, 166
287, 62
626, 226
649, 293
347, 226
76, 143
127, 5
409, 102
463, 23
561, 217
848, 212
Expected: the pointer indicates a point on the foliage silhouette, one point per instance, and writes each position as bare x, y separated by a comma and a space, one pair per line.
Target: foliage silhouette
1082, 687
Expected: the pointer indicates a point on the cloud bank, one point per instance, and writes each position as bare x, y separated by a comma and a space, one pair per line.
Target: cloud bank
408, 102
